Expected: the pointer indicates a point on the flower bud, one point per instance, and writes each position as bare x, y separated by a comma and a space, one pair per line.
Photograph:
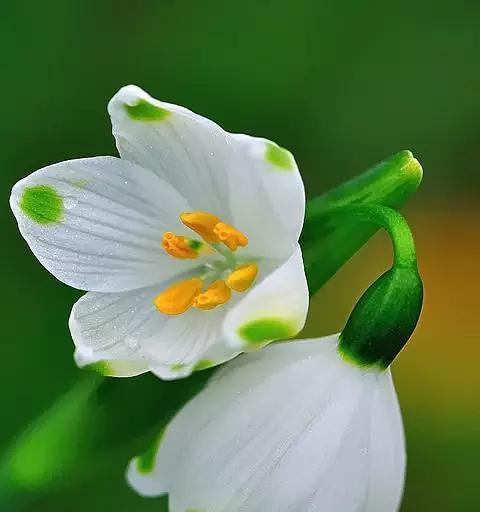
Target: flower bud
384, 318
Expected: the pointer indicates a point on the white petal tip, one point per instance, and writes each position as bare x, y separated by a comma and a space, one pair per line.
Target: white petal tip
133, 103
128, 94
173, 371
86, 358
141, 481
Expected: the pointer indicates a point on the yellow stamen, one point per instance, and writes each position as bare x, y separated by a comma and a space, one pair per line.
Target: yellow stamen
217, 293
202, 223
180, 246
242, 278
179, 297
230, 236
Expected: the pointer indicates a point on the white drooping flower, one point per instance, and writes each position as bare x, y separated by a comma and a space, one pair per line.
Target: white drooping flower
187, 244
293, 428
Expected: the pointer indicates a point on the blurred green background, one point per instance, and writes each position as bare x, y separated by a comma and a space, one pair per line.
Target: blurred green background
342, 84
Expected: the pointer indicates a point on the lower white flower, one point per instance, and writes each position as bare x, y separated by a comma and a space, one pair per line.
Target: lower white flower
297, 427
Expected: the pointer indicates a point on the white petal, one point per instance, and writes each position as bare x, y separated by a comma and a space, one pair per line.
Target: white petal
116, 328
232, 176
387, 437
292, 428
97, 223
276, 308
84, 356
278, 171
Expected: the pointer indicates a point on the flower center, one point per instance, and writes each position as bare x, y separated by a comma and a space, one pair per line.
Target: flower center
218, 277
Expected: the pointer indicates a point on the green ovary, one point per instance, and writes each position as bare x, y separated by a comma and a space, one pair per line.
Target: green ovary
145, 111
42, 204
264, 330
279, 157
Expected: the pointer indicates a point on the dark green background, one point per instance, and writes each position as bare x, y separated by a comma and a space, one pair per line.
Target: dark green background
342, 84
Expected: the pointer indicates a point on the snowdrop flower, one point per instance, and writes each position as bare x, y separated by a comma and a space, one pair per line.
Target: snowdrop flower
187, 244
293, 428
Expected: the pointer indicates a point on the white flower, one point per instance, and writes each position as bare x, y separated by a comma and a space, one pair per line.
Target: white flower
187, 245
293, 428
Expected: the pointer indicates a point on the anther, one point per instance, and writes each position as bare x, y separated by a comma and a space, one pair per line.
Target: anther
179, 297
216, 294
202, 223
230, 236
242, 278
181, 247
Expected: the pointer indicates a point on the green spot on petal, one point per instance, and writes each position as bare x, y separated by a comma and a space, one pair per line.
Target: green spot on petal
101, 367
42, 204
279, 157
264, 330
203, 364
145, 462
145, 111
177, 367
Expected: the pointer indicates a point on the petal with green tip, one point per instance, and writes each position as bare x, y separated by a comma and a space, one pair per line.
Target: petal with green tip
105, 234
275, 309
214, 170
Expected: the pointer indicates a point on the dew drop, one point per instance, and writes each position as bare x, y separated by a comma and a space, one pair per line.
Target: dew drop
131, 343
69, 203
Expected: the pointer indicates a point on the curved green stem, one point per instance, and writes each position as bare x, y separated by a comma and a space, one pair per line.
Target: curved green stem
393, 223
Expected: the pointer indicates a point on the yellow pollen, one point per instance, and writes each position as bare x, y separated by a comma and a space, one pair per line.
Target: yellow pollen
179, 246
230, 236
179, 297
217, 293
242, 278
202, 223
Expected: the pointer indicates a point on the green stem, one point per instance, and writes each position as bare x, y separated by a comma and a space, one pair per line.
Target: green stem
393, 223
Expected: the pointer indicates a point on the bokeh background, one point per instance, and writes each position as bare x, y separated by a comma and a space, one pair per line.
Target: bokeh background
342, 84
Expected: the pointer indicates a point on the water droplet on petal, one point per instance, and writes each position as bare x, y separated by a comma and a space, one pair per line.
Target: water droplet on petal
69, 203
132, 343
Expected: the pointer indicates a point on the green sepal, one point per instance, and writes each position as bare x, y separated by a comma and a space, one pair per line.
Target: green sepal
383, 319
124, 414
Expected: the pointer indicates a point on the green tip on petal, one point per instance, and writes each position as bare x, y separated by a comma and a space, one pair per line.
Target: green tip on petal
100, 367
204, 364
145, 111
279, 157
145, 462
264, 330
42, 204
177, 367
